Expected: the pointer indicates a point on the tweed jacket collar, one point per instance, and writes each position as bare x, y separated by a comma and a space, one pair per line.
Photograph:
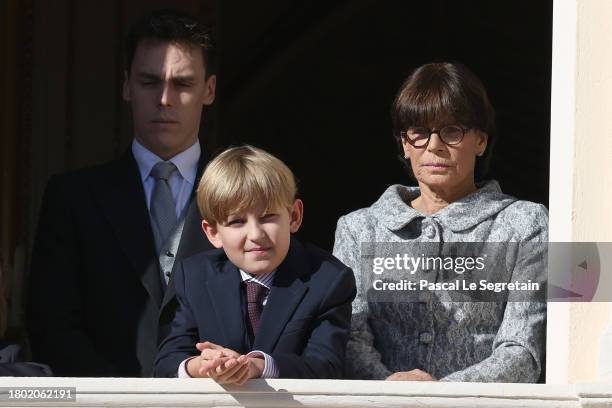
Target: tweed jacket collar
394, 211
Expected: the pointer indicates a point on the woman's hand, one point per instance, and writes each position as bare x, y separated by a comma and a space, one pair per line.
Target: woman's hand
412, 375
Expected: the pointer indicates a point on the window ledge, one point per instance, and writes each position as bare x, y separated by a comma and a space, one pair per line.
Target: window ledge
159, 392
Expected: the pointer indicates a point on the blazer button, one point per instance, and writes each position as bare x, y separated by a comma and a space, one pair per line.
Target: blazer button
167, 273
425, 338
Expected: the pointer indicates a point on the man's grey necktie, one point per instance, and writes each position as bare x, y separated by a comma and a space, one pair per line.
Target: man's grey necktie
163, 208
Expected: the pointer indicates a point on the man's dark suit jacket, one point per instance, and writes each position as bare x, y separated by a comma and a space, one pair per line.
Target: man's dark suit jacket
11, 364
97, 305
304, 325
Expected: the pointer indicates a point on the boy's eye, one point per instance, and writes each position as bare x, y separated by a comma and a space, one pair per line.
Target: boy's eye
268, 217
235, 221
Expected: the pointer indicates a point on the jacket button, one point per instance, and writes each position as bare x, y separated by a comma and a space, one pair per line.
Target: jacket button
425, 338
430, 232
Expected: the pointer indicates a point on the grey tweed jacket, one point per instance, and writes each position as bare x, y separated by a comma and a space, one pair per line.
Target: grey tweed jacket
453, 341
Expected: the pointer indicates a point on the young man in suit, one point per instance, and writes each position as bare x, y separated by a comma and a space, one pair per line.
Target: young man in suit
102, 292
264, 305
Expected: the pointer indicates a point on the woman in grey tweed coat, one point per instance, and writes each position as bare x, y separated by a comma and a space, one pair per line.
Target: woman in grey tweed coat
444, 126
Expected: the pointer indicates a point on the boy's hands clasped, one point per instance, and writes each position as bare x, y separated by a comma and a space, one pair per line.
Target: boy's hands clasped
224, 365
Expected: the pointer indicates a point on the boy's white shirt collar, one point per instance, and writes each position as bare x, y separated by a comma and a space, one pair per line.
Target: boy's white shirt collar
264, 280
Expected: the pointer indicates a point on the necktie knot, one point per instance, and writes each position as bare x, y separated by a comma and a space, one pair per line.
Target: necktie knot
162, 170
255, 292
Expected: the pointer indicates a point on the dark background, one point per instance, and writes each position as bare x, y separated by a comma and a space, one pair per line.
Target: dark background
310, 81
313, 83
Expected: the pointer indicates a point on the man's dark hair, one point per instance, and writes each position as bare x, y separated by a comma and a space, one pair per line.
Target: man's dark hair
171, 26
440, 91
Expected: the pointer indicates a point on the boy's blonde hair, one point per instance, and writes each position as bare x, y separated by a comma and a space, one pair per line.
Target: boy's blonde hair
241, 178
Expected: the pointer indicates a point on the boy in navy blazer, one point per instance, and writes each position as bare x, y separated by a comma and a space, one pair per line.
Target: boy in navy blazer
263, 306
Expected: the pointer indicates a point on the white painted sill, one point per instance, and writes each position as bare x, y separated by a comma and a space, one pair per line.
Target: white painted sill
159, 392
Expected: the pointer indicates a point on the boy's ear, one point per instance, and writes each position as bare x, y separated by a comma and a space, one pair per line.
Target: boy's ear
296, 215
212, 234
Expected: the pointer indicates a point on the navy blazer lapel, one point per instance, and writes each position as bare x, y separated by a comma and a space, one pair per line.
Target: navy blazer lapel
224, 291
122, 199
285, 295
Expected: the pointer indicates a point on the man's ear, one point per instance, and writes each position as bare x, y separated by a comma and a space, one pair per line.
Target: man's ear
212, 234
296, 215
126, 87
210, 86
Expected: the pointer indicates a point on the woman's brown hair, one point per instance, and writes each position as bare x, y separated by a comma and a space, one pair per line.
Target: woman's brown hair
436, 93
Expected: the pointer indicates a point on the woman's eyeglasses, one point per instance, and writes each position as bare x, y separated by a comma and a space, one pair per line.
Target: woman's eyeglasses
419, 136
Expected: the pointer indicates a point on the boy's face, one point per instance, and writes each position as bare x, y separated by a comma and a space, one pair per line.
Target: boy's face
255, 241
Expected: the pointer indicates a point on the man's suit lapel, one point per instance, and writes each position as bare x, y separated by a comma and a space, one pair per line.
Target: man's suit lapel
285, 295
122, 198
224, 291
